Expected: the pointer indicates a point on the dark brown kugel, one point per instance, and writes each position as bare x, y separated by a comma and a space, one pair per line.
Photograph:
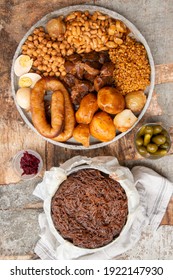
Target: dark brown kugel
89, 209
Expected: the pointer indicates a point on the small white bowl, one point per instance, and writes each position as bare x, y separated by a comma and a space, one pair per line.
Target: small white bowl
18, 170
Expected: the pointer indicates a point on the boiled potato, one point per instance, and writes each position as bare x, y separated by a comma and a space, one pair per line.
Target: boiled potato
88, 106
102, 127
110, 100
81, 134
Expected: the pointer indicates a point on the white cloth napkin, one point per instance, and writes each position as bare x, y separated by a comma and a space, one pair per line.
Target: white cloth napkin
154, 192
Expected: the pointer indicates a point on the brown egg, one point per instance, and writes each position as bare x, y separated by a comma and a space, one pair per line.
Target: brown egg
88, 106
110, 100
81, 134
102, 127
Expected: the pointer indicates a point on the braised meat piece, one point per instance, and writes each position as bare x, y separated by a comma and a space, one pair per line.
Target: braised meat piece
79, 69
87, 72
106, 76
80, 89
74, 57
107, 69
89, 77
101, 81
90, 68
92, 56
69, 80
103, 57
70, 67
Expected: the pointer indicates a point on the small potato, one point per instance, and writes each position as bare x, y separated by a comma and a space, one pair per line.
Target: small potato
81, 134
102, 127
87, 109
110, 100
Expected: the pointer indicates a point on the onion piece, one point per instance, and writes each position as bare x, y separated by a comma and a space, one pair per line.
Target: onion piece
124, 120
135, 101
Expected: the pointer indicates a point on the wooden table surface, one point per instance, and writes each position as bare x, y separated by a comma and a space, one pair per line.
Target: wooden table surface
15, 134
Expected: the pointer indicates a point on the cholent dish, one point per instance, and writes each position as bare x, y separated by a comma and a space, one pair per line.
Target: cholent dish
95, 75
89, 209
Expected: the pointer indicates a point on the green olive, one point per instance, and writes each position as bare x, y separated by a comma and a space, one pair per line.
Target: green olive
152, 148
164, 132
157, 129
149, 130
139, 141
160, 152
142, 150
147, 138
165, 145
159, 139
142, 131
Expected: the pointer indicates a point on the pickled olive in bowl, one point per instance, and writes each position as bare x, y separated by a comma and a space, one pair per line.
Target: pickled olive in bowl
152, 141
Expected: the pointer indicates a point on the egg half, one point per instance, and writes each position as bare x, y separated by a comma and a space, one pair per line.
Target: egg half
28, 80
22, 65
23, 98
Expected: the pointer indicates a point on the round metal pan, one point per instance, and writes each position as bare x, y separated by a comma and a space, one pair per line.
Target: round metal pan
94, 143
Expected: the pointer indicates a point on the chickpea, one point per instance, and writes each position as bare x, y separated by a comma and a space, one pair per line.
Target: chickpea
35, 53
24, 47
54, 68
57, 74
40, 58
47, 57
45, 62
40, 39
49, 69
30, 45
54, 57
40, 46
63, 52
40, 67
70, 51
41, 34
49, 44
35, 63
36, 31
35, 37
45, 74
30, 38
51, 73
44, 68
49, 51
44, 49
29, 52
55, 45
63, 73
36, 42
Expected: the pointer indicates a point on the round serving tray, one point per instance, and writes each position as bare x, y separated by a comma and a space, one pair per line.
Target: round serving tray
94, 143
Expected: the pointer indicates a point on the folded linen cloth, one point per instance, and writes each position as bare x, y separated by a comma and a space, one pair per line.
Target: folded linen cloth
154, 192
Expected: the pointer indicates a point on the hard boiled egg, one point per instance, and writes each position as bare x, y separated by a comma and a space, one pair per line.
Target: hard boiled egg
22, 65
28, 80
23, 98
